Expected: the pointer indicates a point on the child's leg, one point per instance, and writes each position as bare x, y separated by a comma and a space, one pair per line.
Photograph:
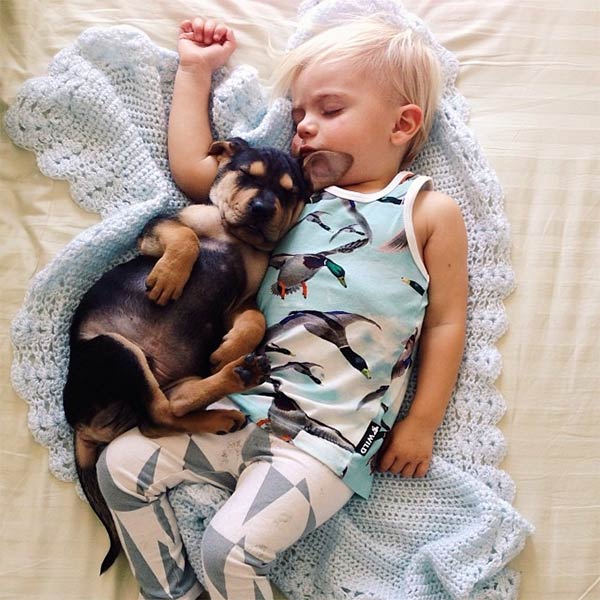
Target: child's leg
135, 472
278, 500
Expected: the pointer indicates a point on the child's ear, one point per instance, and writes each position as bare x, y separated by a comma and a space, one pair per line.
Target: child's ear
408, 121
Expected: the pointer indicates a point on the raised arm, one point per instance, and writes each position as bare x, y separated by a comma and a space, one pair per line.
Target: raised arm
409, 445
204, 46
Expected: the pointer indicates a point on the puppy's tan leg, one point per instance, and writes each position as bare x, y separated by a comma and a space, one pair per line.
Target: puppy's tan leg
246, 330
205, 421
162, 419
177, 246
193, 393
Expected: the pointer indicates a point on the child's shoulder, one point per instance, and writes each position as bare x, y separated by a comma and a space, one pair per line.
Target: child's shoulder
436, 204
436, 213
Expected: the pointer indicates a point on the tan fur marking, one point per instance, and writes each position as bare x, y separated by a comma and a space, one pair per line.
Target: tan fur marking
177, 246
204, 220
257, 168
240, 201
286, 182
246, 329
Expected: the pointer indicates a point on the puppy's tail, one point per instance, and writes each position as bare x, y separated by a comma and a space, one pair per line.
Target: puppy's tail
103, 394
86, 456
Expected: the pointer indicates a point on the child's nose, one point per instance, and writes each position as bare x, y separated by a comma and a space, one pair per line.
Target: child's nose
305, 128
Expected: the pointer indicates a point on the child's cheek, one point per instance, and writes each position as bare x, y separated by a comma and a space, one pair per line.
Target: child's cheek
296, 143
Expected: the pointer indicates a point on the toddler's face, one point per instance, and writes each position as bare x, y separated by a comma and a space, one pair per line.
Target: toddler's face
336, 109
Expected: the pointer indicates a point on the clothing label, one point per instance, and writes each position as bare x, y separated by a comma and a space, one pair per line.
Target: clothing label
367, 440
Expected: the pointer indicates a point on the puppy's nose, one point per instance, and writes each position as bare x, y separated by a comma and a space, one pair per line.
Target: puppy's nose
263, 206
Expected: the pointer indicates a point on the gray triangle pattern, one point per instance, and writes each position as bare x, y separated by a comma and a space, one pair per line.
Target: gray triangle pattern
162, 518
302, 487
152, 586
311, 523
179, 581
196, 461
258, 595
257, 446
260, 566
273, 487
146, 475
222, 548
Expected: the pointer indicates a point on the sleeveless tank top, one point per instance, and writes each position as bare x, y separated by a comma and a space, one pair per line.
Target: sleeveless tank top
344, 297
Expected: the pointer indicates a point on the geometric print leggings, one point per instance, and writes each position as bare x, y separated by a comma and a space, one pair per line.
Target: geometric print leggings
280, 494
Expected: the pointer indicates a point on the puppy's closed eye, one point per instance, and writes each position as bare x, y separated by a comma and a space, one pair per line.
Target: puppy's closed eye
256, 169
286, 182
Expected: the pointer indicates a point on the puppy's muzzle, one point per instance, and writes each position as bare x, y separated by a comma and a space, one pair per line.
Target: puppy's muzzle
262, 206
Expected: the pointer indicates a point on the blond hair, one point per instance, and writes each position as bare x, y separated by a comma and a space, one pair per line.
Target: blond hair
401, 62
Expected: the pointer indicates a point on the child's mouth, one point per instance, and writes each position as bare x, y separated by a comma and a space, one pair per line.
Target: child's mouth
306, 150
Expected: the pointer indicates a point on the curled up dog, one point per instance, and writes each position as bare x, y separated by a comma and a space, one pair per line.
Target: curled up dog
157, 339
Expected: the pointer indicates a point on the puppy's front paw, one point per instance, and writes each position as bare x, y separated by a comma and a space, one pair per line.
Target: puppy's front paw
255, 369
165, 283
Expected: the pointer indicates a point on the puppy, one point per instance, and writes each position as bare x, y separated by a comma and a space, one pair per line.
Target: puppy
157, 339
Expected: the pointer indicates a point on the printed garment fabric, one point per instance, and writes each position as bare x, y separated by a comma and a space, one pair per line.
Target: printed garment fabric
344, 299
279, 495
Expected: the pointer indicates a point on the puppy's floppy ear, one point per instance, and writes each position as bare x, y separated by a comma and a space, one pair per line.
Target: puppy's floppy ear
225, 149
323, 167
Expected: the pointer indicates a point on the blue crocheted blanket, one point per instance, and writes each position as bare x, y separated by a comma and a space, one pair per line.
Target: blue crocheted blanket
99, 120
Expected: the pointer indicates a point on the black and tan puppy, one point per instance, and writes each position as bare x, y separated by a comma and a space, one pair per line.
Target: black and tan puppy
158, 339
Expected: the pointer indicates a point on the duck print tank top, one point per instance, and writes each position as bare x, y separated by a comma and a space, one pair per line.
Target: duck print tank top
344, 297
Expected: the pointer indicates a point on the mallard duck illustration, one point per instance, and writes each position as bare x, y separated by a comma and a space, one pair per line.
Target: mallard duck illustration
352, 228
296, 269
350, 206
286, 420
392, 199
273, 347
304, 368
375, 395
414, 285
329, 326
358, 217
315, 217
405, 359
398, 243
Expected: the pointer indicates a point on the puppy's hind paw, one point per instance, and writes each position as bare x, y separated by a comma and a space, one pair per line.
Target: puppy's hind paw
254, 369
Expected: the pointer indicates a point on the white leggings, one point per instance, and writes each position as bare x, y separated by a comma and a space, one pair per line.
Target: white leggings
280, 493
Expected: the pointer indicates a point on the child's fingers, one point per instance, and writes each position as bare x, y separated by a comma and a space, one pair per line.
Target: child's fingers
186, 26
220, 33
386, 460
408, 470
209, 31
422, 469
413, 469
229, 41
397, 465
198, 29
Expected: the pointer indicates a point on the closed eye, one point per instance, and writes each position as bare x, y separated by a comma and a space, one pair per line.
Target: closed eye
297, 115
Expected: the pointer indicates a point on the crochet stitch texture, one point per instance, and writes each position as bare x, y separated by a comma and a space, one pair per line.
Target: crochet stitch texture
99, 120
